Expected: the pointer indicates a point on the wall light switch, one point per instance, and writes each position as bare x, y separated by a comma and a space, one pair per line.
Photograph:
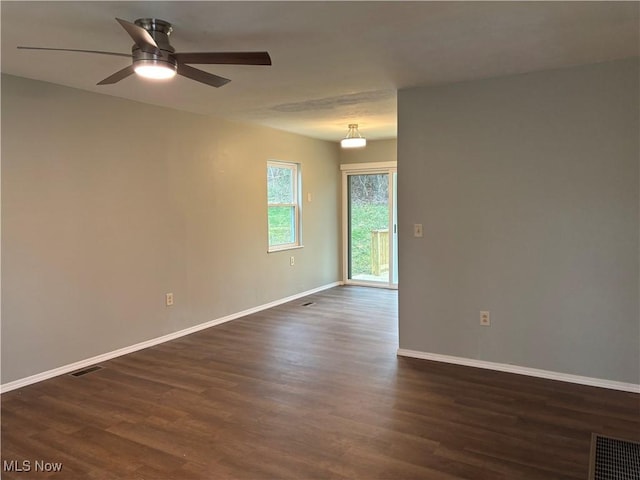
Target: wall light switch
417, 229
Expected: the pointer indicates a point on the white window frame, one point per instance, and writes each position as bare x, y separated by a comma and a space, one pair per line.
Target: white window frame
297, 206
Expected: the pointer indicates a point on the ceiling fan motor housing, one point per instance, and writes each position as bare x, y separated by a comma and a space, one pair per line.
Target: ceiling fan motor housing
159, 31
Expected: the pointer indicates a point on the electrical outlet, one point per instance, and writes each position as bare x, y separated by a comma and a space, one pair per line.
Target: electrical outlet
168, 298
292, 260
485, 318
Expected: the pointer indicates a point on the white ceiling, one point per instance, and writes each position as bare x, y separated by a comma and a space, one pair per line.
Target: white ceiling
334, 63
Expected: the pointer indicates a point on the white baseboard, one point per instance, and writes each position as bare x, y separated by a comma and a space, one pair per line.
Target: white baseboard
23, 382
532, 372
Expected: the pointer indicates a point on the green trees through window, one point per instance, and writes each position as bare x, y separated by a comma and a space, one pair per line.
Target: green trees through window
283, 199
368, 217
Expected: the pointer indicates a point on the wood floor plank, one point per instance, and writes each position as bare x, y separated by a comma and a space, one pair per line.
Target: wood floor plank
307, 392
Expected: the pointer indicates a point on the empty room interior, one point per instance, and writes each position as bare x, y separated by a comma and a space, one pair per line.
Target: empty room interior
364, 240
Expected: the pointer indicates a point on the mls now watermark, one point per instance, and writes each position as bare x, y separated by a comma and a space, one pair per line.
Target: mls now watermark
30, 466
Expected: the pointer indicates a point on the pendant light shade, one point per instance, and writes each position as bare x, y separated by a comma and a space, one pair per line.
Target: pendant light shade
353, 138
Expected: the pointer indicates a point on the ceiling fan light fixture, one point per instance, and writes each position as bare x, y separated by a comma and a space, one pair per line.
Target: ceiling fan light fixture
155, 69
154, 58
353, 138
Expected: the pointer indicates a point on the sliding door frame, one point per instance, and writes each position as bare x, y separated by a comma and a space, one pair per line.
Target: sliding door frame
389, 168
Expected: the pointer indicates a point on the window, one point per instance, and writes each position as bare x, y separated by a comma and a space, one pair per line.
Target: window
283, 197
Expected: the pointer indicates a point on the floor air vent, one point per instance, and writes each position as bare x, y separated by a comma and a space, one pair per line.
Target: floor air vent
84, 371
614, 459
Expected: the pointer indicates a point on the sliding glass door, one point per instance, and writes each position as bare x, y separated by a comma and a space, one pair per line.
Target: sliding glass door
370, 221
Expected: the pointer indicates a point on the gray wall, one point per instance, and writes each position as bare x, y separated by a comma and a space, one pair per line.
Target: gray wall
108, 204
527, 187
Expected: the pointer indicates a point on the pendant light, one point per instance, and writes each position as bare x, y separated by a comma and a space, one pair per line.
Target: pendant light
353, 138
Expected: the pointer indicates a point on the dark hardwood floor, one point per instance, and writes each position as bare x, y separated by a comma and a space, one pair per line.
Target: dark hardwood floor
311, 392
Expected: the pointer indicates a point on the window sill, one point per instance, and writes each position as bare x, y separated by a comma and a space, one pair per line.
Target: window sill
284, 248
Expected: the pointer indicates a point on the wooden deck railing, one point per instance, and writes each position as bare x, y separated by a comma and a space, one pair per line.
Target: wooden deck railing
379, 251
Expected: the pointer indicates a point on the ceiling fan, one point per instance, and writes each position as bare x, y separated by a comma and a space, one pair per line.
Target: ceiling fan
153, 56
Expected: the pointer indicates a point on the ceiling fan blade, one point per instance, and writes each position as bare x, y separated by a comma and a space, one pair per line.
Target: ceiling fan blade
119, 75
231, 58
202, 76
75, 50
141, 37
